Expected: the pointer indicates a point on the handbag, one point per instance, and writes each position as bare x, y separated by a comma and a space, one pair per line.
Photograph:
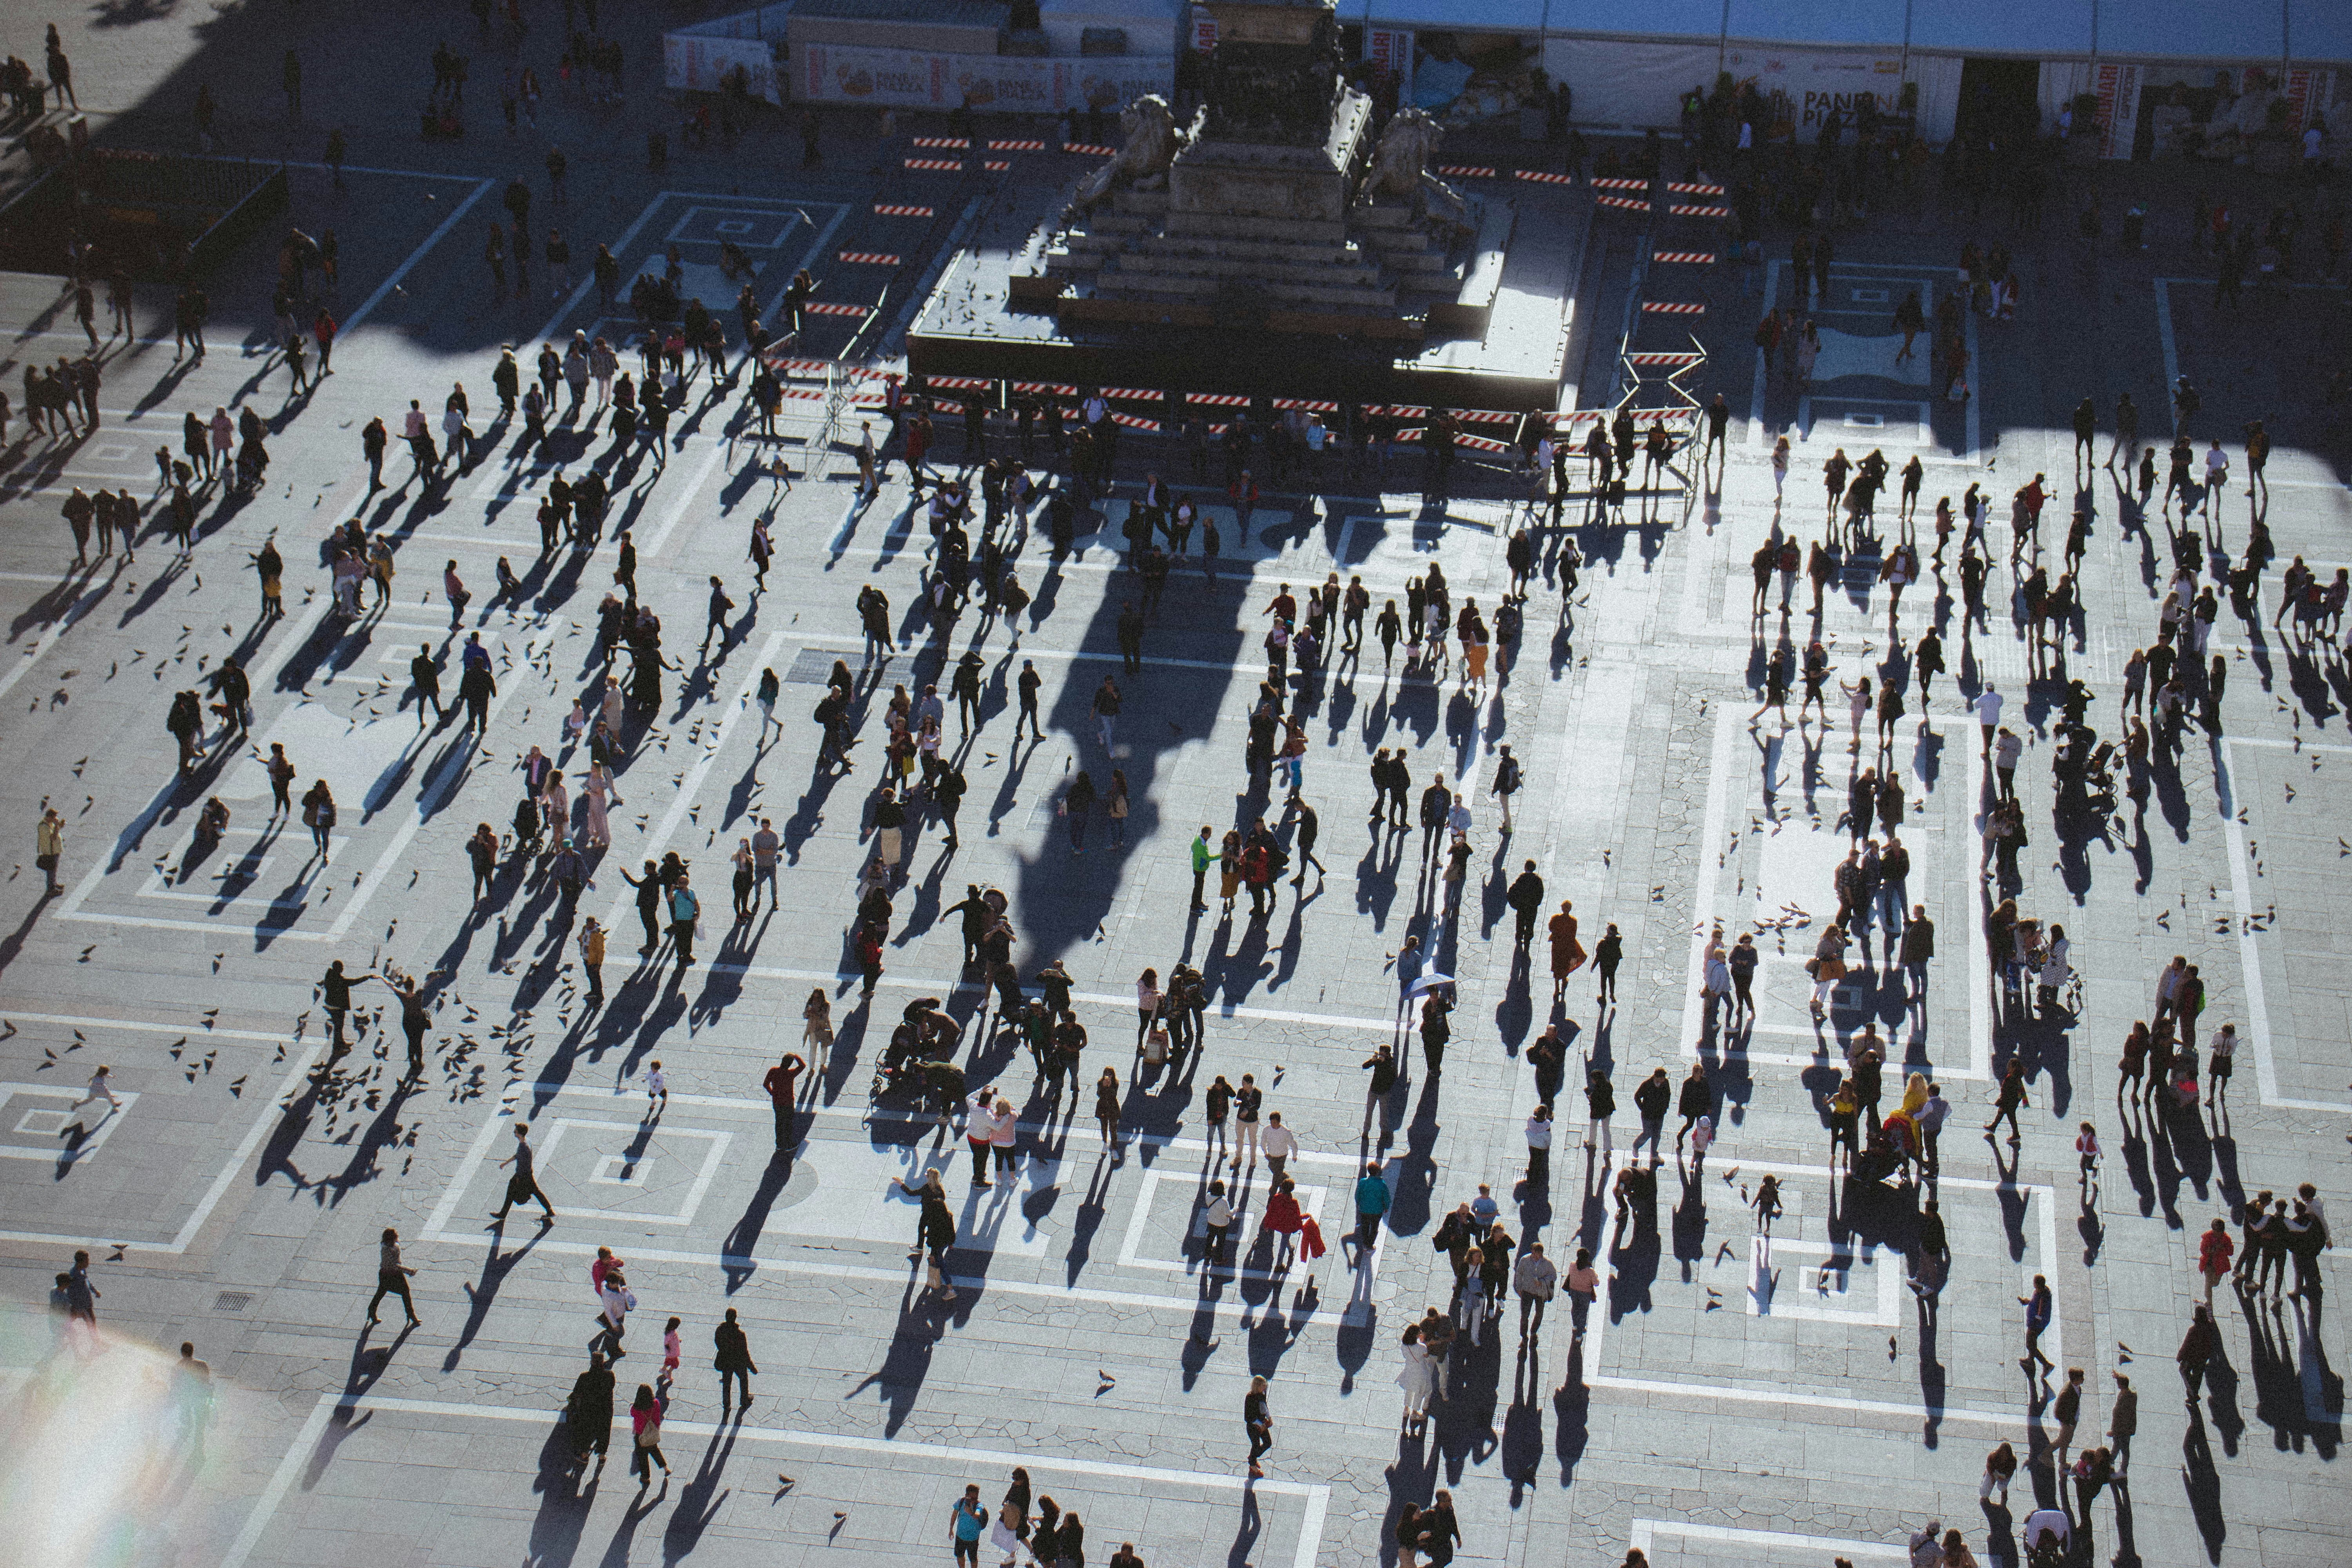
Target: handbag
1155, 1046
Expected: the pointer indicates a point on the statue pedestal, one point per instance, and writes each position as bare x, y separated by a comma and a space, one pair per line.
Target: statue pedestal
1312, 182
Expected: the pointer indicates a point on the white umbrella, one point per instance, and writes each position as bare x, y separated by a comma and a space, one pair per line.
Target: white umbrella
1428, 982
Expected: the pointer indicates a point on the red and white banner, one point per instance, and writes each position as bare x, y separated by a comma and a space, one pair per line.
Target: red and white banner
2118, 89
1205, 31
1391, 48
911, 78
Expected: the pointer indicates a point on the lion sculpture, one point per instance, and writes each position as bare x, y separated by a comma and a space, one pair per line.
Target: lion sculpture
1152, 142
1400, 169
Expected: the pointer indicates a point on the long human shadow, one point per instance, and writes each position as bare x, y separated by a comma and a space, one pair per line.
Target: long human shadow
738, 1259
480, 1294
701, 1500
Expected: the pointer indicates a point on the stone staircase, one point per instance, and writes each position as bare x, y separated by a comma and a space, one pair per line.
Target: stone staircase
1378, 264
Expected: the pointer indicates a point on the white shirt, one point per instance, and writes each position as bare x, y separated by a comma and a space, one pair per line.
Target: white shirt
1988, 707
657, 1082
1219, 1212
1538, 1131
1277, 1141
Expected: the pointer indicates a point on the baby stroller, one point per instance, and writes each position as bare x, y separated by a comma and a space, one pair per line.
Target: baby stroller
1878, 1159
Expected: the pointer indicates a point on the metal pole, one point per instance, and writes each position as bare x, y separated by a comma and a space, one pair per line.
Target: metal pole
1723, 41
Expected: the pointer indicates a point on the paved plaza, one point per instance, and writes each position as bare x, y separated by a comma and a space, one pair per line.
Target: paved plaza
1738, 1393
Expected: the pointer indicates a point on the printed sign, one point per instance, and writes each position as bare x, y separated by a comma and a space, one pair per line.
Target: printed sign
1818, 83
909, 79
1391, 48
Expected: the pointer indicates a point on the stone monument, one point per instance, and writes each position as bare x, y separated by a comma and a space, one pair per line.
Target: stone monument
1270, 240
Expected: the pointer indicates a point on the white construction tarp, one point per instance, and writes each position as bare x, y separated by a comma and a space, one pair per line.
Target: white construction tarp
699, 63
1617, 82
912, 78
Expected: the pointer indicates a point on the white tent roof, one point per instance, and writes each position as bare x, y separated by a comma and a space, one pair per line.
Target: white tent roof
2313, 30
1868, 21
1467, 16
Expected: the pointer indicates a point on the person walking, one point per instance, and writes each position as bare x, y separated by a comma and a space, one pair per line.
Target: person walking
733, 1362
1568, 954
645, 1414
1652, 1099
391, 1277
966, 1519
1372, 1197
2040, 1308
782, 1084
685, 912
1601, 1104
1257, 1422
2123, 1422
49, 847
2195, 1351
1535, 1279
2215, 1253
100, 1087
2009, 1099
523, 1186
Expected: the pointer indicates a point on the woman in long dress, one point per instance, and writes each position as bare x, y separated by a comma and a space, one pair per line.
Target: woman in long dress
556, 804
597, 796
1417, 1377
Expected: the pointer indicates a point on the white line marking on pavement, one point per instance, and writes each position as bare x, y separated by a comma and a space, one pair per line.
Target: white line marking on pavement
281, 1480
588, 280
1972, 925
1809, 1401
624, 903
941, 987
1763, 367
1316, 1494
76, 1020
453, 768
444, 1210
2164, 337
685, 498
48, 636
1597, 1318
1643, 1534
1719, 804
2249, 958
456, 214
230, 1173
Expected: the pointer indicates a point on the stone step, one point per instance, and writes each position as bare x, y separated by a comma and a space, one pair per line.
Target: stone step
1366, 214
1077, 263
1362, 273
1101, 222
1234, 225
1143, 204
1253, 249
1129, 286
